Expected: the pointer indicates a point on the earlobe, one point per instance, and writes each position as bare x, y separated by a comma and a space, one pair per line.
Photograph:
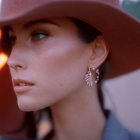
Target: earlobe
100, 50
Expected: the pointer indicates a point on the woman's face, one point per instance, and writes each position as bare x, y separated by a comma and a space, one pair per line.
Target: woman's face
47, 63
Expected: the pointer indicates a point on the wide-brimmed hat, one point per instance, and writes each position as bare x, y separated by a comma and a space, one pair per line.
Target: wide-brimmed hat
121, 31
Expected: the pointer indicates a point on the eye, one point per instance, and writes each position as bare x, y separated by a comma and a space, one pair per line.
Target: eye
38, 35
12, 40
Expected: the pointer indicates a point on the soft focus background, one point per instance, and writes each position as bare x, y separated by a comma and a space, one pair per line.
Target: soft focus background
122, 94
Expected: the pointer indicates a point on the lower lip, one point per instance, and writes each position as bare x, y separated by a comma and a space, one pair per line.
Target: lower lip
22, 89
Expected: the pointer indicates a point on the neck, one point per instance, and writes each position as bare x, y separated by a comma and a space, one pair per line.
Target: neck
79, 116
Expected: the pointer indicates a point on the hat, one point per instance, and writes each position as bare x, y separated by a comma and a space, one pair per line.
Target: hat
120, 30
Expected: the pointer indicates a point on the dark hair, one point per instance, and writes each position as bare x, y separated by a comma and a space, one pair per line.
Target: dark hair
87, 34
5, 42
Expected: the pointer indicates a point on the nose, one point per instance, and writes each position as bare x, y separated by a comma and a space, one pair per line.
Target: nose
14, 66
16, 59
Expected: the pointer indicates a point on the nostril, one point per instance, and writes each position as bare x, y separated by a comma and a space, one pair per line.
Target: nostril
16, 67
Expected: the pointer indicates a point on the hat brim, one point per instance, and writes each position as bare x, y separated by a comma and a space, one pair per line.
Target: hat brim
120, 30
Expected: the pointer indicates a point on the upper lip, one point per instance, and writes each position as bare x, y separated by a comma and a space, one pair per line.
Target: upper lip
16, 82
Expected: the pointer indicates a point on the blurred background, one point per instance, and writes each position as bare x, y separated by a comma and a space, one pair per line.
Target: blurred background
11, 118
125, 100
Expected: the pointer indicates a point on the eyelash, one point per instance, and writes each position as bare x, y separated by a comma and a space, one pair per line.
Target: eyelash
38, 35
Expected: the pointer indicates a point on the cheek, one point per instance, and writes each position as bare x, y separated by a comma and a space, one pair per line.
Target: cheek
64, 60
57, 72
60, 70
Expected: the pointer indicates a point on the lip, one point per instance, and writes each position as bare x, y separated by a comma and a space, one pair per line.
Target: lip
22, 88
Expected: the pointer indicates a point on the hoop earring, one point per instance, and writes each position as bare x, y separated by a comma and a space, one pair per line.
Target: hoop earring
97, 74
88, 78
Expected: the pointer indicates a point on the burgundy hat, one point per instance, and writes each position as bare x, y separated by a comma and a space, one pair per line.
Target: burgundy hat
121, 31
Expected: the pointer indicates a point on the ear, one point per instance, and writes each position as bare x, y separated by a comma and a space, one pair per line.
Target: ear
99, 52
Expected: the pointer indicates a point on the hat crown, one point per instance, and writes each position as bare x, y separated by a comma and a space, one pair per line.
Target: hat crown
10, 8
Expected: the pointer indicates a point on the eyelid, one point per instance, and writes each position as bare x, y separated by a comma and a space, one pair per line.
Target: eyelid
35, 31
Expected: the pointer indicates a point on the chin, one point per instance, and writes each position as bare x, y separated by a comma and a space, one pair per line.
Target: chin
25, 107
28, 106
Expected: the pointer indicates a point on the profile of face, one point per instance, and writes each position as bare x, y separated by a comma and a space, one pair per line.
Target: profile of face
48, 61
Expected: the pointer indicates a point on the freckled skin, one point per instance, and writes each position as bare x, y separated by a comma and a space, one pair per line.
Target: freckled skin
56, 63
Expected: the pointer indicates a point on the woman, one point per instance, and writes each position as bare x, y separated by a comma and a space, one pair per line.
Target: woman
57, 51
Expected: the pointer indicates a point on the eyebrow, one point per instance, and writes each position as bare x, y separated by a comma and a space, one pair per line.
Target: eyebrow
32, 23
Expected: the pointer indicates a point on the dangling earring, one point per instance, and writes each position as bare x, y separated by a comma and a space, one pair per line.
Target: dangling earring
88, 78
97, 74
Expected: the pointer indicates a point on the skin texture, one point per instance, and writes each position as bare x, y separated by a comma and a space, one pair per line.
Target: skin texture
51, 55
